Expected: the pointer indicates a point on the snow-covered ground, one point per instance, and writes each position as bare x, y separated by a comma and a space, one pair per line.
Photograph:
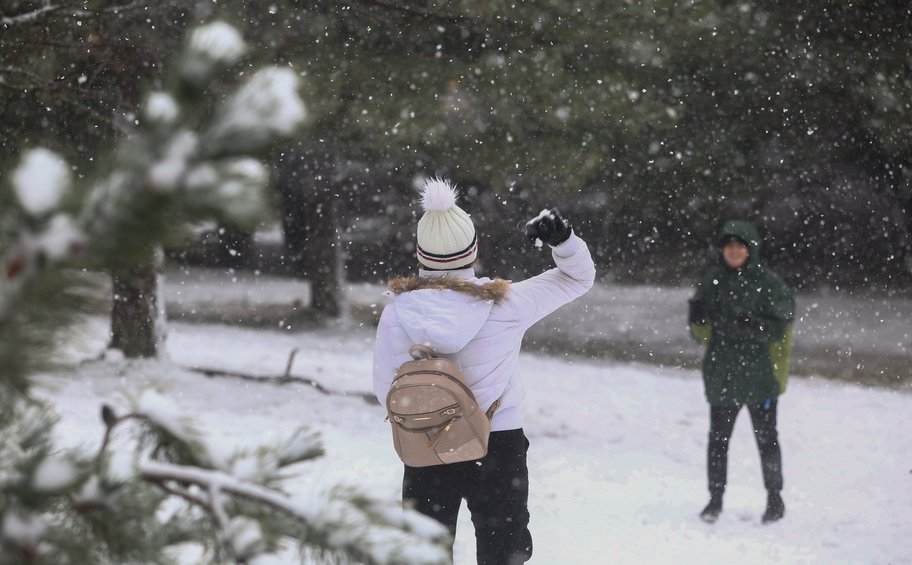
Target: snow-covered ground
851, 336
617, 462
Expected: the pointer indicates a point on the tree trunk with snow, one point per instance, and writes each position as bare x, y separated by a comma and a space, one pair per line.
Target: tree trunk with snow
135, 319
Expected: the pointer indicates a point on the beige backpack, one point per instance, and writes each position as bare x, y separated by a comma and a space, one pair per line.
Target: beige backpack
434, 415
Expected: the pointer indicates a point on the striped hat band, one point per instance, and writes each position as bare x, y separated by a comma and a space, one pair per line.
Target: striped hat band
450, 258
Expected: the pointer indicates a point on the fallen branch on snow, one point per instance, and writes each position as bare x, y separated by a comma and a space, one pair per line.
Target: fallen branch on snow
284, 380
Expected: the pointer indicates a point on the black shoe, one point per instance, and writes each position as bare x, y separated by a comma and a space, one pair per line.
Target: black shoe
775, 508
711, 513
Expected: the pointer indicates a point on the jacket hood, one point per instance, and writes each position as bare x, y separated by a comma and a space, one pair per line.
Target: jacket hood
746, 232
445, 313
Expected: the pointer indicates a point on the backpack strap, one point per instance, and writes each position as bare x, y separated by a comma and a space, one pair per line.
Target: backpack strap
492, 409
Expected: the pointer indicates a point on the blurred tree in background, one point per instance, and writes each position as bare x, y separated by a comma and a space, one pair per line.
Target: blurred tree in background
649, 122
73, 72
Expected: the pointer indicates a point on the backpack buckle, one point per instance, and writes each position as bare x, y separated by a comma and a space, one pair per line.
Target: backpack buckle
419, 352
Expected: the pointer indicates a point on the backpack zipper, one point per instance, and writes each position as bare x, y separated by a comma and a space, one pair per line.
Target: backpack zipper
433, 443
442, 374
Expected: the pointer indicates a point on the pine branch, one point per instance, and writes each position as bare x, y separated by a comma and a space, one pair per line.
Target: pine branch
179, 492
29, 17
111, 421
78, 12
319, 520
208, 479
112, 9
509, 26
25, 72
417, 11
216, 505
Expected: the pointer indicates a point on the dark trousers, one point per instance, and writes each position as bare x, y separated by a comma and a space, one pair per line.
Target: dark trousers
496, 490
721, 424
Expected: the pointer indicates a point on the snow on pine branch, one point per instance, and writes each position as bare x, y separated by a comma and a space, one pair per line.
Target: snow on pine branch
245, 537
166, 174
264, 463
265, 107
236, 186
260, 464
341, 520
211, 47
28, 17
160, 411
40, 181
352, 520
56, 473
71, 10
350, 524
21, 530
23, 441
301, 446
161, 108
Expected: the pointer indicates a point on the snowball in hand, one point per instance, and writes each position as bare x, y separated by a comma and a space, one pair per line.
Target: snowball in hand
530, 226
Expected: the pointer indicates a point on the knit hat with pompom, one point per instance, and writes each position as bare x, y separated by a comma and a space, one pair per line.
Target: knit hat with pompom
446, 235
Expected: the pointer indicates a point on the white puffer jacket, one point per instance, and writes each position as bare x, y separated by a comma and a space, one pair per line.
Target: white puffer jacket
481, 336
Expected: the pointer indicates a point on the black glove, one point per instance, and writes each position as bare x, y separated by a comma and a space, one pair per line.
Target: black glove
697, 311
747, 321
550, 227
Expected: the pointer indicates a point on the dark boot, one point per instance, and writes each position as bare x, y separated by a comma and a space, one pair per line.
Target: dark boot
711, 513
775, 508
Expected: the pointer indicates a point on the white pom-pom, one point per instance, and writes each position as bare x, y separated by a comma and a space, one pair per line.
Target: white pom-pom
438, 195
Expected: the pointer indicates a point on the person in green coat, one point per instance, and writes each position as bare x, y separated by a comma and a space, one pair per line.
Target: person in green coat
743, 313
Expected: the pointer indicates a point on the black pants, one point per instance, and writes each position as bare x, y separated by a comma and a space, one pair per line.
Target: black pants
721, 424
496, 489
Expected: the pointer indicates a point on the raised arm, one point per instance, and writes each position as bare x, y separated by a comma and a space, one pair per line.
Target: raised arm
535, 298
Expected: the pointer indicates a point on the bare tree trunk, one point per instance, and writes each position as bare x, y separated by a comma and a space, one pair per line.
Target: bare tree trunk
323, 257
310, 222
135, 316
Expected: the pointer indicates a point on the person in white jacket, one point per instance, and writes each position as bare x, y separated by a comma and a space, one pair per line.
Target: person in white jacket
479, 323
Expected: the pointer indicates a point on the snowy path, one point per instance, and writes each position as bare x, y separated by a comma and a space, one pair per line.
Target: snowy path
617, 457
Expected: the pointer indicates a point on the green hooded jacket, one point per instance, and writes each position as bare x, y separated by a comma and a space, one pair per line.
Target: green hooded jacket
745, 363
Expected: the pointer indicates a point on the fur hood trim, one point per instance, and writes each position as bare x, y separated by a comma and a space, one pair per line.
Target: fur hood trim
495, 290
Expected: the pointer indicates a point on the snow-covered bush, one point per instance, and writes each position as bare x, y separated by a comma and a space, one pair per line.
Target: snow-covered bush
135, 499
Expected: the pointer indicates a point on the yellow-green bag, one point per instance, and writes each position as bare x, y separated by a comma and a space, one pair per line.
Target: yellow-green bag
701, 332
781, 355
